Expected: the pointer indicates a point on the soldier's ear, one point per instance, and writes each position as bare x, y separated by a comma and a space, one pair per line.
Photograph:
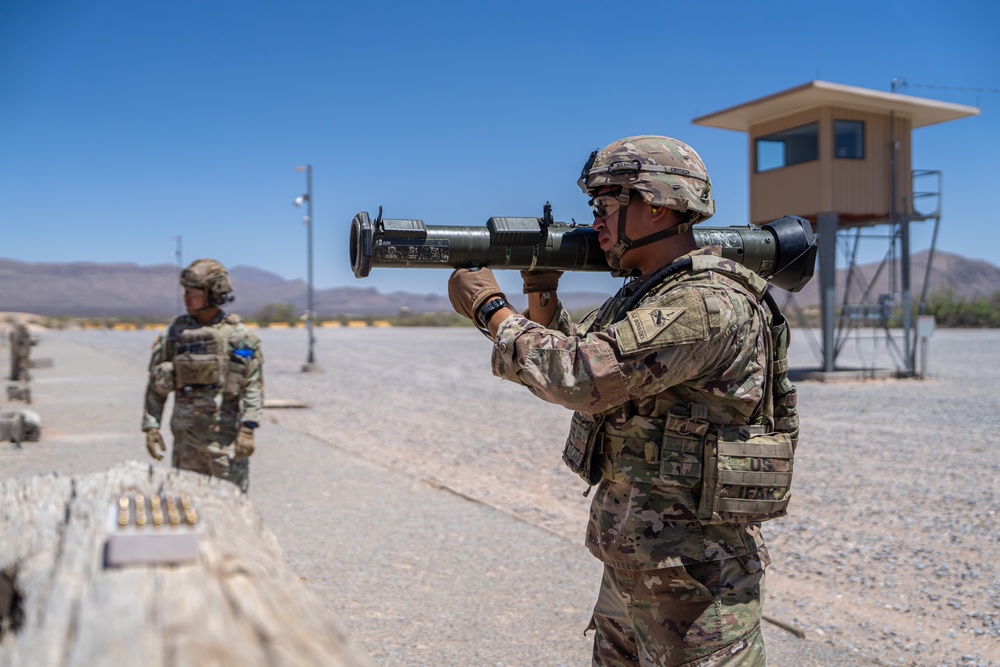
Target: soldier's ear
663, 215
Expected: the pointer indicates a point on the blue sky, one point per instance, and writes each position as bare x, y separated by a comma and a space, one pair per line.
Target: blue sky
123, 123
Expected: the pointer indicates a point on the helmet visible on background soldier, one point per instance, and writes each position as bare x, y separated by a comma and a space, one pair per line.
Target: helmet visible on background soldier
211, 276
666, 172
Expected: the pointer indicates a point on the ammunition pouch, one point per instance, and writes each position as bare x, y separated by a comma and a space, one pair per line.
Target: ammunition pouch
656, 450
785, 398
162, 378
748, 476
198, 359
578, 453
239, 366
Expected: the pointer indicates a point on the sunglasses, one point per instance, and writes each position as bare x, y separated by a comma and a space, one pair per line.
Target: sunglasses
599, 204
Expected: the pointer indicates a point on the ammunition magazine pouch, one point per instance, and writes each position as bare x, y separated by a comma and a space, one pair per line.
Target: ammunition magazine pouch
198, 359
785, 395
654, 450
239, 367
162, 378
748, 476
578, 453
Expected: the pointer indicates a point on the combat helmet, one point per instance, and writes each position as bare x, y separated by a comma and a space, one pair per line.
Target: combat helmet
211, 276
664, 171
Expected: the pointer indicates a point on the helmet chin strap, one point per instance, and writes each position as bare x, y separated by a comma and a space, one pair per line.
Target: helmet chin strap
203, 309
624, 244
209, 304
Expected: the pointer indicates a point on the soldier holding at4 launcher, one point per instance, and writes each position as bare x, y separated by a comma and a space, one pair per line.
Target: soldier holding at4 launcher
213, 363
683, 413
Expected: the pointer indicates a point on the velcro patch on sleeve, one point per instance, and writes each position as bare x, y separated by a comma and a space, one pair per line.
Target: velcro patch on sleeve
648, 322
681, 320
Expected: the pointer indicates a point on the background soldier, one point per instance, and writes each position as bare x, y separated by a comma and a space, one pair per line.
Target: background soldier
21, 341
214, 365
677, 405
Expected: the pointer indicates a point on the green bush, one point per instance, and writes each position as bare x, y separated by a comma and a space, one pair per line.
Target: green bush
952, 311
276, 312
428, 320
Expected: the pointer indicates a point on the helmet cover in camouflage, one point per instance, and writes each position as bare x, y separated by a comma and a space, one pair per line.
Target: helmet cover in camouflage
211, 276
666, 172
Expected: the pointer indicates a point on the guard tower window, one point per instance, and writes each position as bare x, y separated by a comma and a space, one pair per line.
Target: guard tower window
849, 139
788, 147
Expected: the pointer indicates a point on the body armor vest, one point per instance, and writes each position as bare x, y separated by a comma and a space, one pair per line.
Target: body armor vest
738, 474
205, 358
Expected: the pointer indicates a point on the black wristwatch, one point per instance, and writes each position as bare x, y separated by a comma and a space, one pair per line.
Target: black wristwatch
489, 308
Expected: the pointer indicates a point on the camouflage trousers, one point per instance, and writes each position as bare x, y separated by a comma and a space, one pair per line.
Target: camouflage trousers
699, 615
211, 453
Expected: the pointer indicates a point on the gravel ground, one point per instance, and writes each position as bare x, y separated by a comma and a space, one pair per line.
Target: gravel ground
888, 555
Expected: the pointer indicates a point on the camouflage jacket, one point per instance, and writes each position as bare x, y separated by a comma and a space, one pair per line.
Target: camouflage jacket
696, 338
21, 340
215, 371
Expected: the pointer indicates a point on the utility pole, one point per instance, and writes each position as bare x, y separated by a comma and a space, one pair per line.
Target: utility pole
180, 267
307, 198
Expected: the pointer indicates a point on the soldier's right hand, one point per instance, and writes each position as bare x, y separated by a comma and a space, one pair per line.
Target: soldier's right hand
154, 441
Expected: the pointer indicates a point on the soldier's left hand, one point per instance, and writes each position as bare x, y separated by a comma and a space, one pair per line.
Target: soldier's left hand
469, 289
244, 442
541, 280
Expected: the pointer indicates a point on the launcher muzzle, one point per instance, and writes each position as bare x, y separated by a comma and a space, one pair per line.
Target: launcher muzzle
783, 252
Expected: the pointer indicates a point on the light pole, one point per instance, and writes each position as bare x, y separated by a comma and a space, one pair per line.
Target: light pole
180, 267
310, 364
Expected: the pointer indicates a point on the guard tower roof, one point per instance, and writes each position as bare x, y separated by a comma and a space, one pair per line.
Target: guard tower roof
921, 111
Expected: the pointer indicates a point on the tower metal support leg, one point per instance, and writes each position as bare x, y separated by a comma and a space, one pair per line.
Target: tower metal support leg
907, 297
827, 227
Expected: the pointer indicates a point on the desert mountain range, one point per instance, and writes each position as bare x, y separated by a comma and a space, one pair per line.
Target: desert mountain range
83, 289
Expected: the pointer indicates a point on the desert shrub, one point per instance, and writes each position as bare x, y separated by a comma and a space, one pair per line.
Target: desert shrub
953, 311
276, 312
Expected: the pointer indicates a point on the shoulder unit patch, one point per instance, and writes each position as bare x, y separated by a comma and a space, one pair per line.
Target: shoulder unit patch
648, 322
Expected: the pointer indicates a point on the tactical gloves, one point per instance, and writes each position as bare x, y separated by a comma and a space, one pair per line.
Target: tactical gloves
469, 289
541, 281
154, 441
244, 442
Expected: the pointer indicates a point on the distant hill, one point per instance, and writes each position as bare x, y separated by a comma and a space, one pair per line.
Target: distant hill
967, 278
85, 289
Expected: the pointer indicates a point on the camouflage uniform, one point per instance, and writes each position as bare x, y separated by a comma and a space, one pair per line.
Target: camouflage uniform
21, 341
695, 340
215, 371
662, 378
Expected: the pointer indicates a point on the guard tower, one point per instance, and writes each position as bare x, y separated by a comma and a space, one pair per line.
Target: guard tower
839, 156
